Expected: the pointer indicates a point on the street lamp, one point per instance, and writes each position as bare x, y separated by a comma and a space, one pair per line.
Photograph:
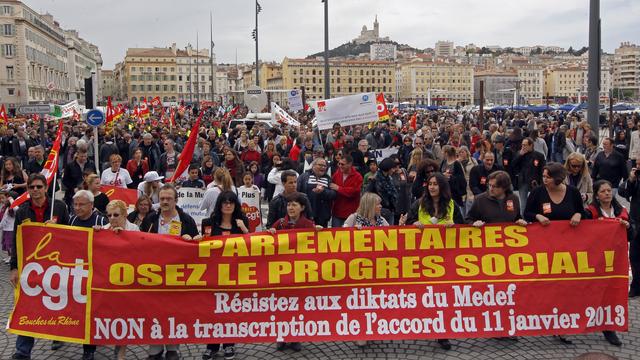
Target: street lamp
327, 92
254, 34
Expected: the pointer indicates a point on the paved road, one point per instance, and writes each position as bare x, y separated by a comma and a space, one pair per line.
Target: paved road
473, 349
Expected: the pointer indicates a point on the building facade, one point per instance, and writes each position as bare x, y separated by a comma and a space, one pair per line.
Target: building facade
447, 83
499, 86
444, 48
530, 84
40, 61
626, 71
568, 82
107, 84
348, 77
194, 80
149, 73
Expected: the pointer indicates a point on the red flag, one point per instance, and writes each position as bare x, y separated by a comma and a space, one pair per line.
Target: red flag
50, 166
4, 119
143, 111
156, 101
119, 111
187, 153
412, 122
110, 111
383, 112
172, 116
233, 112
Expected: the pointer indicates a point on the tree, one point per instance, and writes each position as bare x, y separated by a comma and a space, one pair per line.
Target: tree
571, 51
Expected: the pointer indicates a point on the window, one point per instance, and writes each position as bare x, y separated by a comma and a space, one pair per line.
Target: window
8, 50
134, 87
157, 87
11, 91
180, 88
8, 29
9, 72
179, 77
7, 10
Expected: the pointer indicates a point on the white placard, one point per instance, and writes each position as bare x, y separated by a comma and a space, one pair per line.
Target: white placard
347, 110
67, 109
294, 97
189, 200
279, 115
381, 154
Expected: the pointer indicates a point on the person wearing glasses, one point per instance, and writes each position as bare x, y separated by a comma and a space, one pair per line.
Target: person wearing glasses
169, 220
315, 184
117, 215
347, 182
38, 209
168, 160
498, 204
578, 176
227, 218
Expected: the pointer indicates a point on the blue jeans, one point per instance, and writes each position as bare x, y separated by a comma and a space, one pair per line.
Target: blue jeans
24, 344
523, 193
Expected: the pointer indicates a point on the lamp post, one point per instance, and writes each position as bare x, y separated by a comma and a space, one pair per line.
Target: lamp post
593, 82
327, 92
255, 37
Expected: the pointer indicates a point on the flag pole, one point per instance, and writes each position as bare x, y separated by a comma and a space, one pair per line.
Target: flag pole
53, 191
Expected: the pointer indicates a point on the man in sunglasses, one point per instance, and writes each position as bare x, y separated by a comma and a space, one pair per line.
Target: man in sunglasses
37, 209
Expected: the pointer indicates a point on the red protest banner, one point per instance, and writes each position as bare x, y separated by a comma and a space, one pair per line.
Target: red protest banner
334, 284
129, 196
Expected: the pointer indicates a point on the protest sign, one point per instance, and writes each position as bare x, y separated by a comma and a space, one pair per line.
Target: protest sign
347, 110
381, 154
281, 116
189, 200
294, 98
340, 284
129, 196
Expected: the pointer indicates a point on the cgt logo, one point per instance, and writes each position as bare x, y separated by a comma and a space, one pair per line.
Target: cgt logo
55, 280
365, 97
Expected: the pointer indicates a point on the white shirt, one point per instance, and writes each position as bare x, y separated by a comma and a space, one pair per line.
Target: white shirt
210, 197
127, 226
118, 179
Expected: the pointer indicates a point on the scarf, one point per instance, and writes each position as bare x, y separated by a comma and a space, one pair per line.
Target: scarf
363, 221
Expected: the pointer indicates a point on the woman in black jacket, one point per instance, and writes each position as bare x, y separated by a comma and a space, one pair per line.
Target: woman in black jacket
452, 169
227, 218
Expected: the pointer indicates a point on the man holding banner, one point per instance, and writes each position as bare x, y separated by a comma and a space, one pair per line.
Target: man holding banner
38, 208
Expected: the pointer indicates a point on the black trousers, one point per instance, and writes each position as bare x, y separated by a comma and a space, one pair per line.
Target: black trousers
634, 261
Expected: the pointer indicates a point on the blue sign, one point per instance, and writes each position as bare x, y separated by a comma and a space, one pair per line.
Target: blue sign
365, 97
95, 117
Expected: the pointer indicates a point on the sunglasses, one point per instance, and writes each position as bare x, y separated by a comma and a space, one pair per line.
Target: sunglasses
33, 187
114, 215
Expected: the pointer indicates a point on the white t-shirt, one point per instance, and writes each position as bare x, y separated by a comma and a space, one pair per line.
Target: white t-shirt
128, 226
118, 179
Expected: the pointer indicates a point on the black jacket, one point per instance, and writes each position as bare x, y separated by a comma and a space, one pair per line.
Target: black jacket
528, 168
72, 176
189, 227
491, 210
479, 178
320, 202
278, 209
25, 214
631, 191
612, 168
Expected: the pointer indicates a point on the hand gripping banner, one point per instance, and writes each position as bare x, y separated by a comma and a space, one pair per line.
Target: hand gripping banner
334, 284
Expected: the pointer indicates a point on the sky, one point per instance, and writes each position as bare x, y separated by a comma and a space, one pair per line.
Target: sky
295, 28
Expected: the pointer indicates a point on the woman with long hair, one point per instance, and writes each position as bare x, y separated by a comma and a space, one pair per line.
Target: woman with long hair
221, 182
578, 176
100, 199
454, 173
226, 218
435, 207
207, 168
368, 213
233, 163
142, 208
12, 177
606, 206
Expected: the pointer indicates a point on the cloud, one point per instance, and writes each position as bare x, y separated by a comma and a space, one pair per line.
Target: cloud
295, 28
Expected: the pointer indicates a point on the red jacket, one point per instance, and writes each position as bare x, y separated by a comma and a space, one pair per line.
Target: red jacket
132, 167
348, 198
250, 155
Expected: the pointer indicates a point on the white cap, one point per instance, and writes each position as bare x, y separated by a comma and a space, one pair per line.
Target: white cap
152, 176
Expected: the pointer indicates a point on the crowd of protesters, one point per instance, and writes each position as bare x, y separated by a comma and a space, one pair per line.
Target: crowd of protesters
450, 168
